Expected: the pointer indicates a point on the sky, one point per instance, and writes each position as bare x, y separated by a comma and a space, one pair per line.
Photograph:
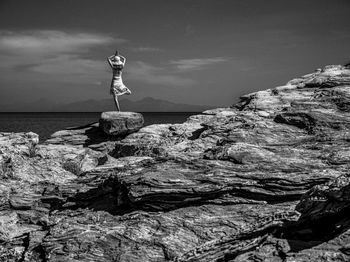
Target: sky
204, 52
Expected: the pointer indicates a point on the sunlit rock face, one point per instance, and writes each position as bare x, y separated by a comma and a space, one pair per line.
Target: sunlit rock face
263, 180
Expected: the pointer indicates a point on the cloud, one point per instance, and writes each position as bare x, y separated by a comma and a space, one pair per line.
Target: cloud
146, 73
196, 63
56, 55
44, 42
72, 69
63, 57
146, 49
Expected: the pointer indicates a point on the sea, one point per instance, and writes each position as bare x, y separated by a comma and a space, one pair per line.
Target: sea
45, 124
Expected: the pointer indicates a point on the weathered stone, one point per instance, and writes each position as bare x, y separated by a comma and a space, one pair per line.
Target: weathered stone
265, 180
120, 123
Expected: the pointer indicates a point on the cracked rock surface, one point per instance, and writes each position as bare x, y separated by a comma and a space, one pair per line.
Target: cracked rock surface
264, 180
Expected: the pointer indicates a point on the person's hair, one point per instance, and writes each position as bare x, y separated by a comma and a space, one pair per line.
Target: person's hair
116, 52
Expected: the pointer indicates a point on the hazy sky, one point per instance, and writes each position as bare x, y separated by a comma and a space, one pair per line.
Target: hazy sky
191, 51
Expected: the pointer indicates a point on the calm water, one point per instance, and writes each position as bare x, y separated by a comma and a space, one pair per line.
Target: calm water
44, 124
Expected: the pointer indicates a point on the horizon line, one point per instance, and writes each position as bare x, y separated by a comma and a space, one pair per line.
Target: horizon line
94, 112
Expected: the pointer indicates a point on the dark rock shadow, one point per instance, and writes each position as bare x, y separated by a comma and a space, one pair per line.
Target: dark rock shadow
307, 233
91, 134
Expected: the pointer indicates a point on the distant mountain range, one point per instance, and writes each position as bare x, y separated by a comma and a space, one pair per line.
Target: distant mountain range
147, 104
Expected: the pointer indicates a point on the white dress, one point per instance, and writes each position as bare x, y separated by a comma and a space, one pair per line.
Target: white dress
117, 85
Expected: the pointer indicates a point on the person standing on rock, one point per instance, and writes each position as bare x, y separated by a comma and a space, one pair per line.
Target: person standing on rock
117, 63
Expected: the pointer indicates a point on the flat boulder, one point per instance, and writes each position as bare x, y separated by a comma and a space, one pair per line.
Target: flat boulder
120, 123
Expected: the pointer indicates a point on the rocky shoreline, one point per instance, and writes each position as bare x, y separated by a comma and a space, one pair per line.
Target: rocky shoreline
263, 180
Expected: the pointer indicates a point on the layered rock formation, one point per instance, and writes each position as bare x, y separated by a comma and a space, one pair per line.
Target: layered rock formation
264, 180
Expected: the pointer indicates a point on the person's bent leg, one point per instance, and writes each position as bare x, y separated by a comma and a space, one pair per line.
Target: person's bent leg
126, 91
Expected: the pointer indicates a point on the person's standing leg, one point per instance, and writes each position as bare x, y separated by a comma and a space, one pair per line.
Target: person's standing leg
116, 101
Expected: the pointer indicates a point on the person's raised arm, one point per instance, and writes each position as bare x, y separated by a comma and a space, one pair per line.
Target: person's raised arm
109, 59
123, 58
